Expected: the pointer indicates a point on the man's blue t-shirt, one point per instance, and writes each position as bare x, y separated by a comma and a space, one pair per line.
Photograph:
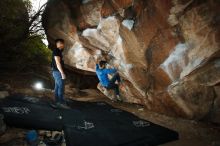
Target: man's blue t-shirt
103, 75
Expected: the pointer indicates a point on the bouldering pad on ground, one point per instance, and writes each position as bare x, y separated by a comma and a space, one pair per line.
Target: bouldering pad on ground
86, 123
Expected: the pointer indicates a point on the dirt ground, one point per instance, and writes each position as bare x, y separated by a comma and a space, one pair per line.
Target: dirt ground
191, 133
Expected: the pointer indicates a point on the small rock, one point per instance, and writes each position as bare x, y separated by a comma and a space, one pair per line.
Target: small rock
141, 109
41, 143
3, 94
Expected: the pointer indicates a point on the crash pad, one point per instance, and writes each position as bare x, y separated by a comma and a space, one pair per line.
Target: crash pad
85, 123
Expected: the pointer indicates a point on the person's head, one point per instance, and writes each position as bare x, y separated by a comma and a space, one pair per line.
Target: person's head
102, 64
59, 43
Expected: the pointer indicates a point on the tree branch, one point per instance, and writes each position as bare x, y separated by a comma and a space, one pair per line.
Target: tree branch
37, 14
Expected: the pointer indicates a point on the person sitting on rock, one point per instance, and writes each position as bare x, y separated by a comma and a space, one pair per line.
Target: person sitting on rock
102, 73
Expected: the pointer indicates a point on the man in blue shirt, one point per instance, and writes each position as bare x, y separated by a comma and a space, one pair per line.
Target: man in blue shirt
102, 73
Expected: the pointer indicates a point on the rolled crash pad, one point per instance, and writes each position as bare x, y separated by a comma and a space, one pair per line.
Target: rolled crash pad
86, 123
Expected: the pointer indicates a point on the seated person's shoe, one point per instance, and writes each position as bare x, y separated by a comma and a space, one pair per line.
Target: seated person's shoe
114, 100
118, 98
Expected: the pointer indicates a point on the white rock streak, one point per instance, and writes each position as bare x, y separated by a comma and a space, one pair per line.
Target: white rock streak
176, 60
128, 23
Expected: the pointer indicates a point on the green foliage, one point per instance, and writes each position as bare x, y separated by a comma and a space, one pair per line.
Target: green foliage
35, 51
28, 5
18, 46
13, 22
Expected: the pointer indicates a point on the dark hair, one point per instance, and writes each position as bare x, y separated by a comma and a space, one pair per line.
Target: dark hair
59, 40
102, 63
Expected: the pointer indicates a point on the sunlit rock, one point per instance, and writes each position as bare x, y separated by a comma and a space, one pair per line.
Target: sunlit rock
91, 12
165, 51
106, 34
128, 23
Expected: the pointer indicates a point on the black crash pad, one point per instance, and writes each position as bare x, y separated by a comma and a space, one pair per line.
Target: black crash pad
86, 123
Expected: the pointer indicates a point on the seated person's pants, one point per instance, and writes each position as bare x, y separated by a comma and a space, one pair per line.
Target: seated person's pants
112, 84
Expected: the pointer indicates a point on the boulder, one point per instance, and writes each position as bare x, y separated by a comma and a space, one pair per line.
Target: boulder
166, 52
194, 99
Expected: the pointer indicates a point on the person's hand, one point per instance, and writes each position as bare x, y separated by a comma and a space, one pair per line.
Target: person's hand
97, 60
63, 76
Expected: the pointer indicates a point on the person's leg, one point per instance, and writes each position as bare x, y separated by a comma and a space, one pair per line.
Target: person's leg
60, 88
115, 78
56, 86
61, 93
112, 84
114, 87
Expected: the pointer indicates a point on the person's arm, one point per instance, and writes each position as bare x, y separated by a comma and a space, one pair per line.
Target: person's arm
110, 71
59, 66
97, 67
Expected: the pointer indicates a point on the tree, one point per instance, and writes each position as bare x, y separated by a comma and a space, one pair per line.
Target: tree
21, 36
35, 19
13, 23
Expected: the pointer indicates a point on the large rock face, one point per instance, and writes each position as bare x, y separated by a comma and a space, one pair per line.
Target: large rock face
167, 52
